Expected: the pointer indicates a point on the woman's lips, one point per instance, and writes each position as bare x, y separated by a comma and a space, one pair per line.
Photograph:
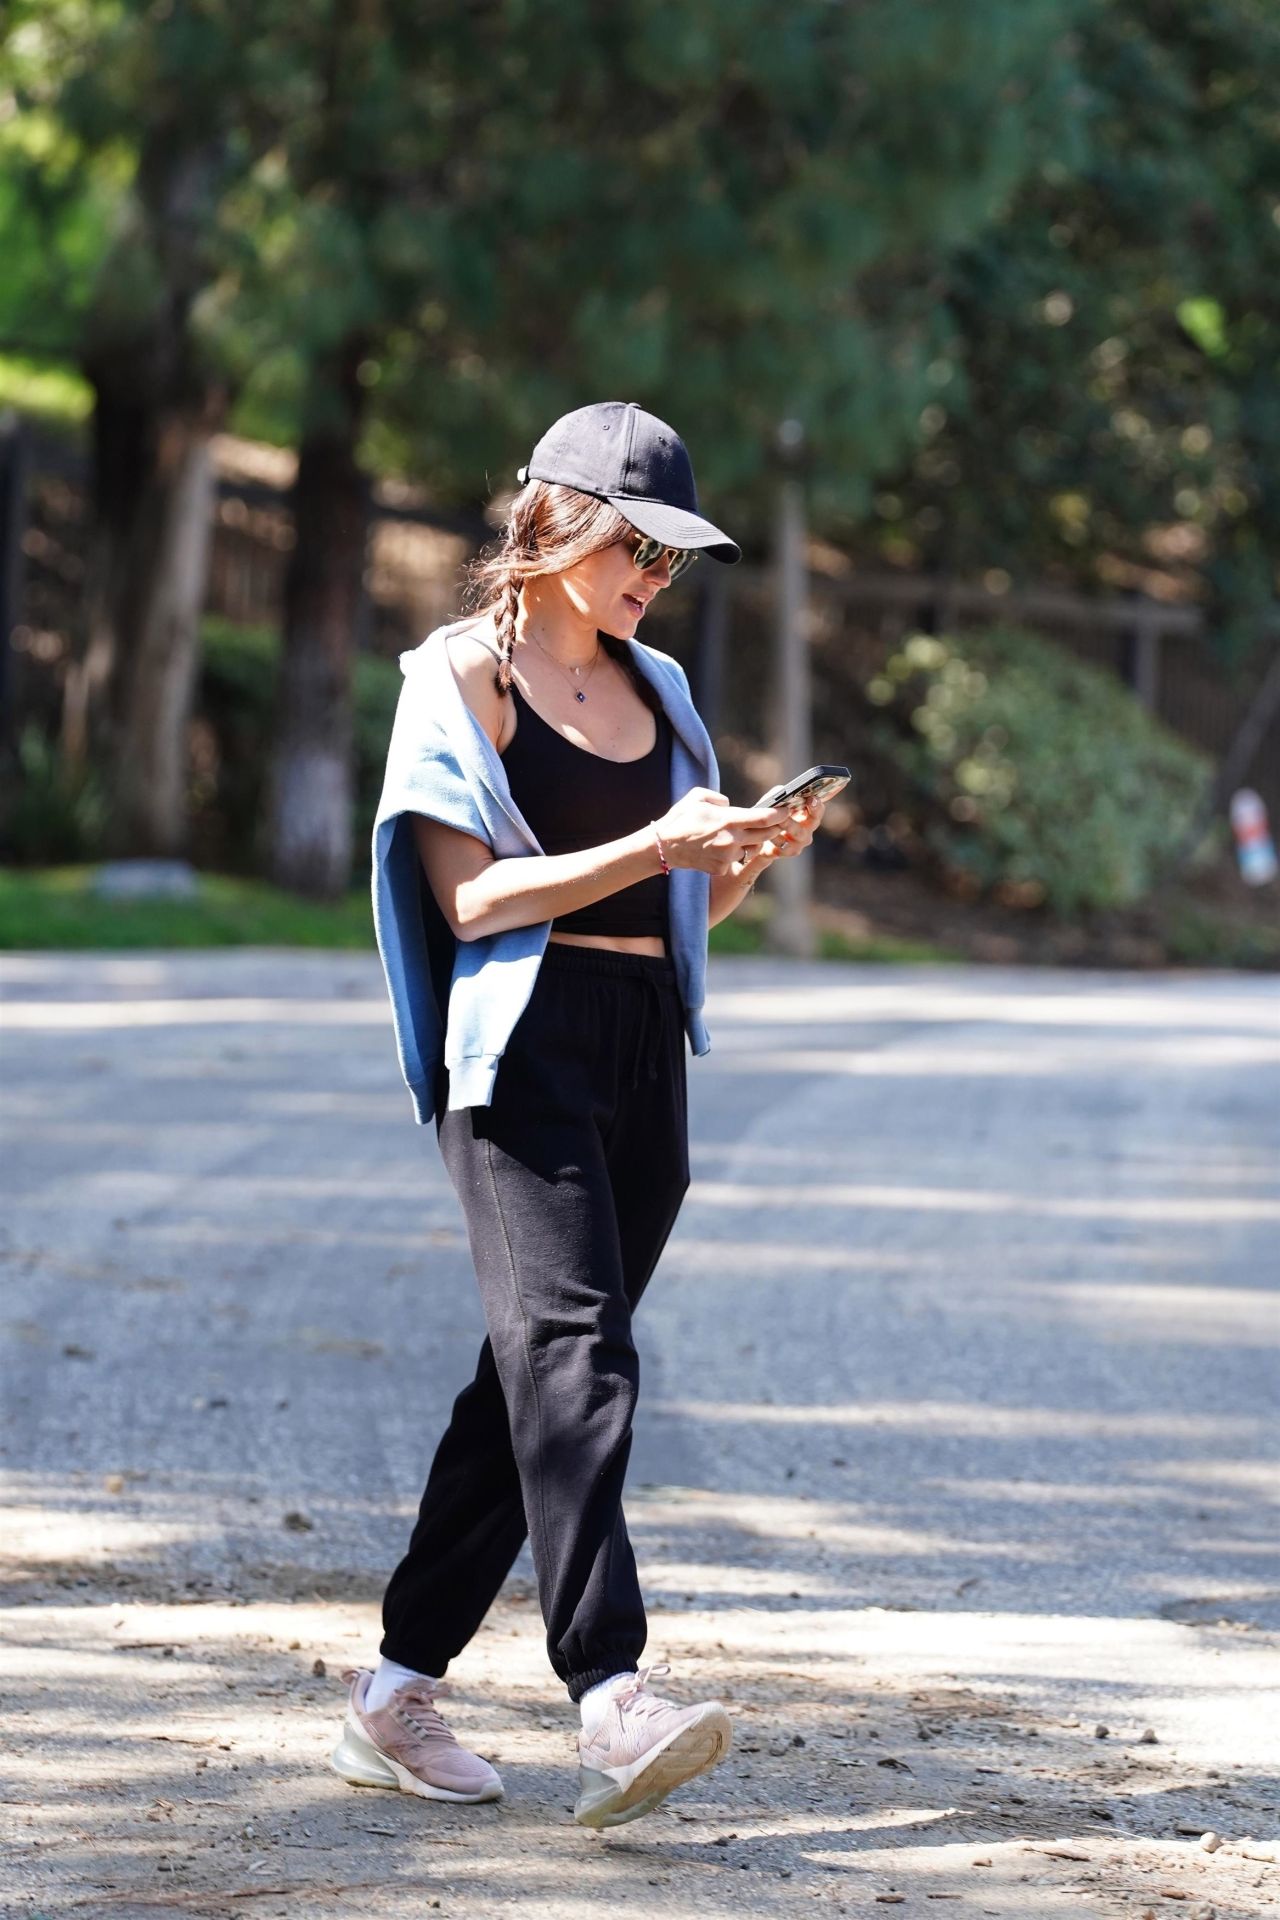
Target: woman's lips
637, 606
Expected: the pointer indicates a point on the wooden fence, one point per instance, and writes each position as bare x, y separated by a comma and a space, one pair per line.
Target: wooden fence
1163, 652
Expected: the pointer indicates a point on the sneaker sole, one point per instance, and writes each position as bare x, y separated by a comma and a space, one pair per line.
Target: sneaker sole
361, 1764
604, 1801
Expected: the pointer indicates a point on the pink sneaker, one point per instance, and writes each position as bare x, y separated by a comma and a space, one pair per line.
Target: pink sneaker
644, 1747
407, 1745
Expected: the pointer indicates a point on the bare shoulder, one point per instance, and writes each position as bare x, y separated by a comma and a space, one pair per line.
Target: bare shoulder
473, 655
470, 640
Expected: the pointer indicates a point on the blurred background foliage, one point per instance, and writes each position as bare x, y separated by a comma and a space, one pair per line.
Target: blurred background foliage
232, 747
1013, 267
1035, 774
1050, 224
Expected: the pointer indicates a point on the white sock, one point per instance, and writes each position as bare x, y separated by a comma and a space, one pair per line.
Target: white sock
389, 1675
595, 1701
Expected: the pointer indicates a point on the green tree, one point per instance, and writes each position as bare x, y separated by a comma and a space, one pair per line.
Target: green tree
421, 234
132, 115
363, 155
735, 213
732, 213
1109, 398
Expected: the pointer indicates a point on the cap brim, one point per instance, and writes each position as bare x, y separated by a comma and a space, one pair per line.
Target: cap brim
676, 528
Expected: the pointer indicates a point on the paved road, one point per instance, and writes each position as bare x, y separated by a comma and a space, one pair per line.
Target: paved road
959, 1384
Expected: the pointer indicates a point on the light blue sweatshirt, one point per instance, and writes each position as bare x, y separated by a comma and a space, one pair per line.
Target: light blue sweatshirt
442, 763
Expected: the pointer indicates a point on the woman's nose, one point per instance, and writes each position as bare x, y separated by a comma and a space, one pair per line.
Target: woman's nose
659, 573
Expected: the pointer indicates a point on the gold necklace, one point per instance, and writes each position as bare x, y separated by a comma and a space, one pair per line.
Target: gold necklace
578, 694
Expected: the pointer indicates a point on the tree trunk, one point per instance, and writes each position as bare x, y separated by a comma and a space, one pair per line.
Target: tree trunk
158, 402
313, 776
129, 698
160, 614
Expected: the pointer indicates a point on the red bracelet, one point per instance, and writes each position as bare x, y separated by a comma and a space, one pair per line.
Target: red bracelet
661, 855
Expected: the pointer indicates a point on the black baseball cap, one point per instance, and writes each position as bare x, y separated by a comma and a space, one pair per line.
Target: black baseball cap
640, 465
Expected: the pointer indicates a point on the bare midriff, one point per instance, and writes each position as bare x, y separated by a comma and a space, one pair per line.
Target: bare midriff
650, 943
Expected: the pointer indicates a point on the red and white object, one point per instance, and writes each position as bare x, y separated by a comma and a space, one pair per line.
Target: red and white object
1255, 848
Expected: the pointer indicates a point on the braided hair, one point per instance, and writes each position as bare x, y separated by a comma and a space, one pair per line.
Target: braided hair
548, 529
506, 608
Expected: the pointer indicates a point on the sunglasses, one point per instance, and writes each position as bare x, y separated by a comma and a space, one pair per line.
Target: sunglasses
647, 552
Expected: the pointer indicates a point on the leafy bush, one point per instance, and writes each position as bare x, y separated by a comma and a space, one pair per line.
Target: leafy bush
235, 708
1038, 774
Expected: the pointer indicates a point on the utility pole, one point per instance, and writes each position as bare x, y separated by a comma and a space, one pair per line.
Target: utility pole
790, 880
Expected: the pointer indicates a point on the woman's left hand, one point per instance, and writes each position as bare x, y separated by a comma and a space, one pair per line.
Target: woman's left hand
805, 822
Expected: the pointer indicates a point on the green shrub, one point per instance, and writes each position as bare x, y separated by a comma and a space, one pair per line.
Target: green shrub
235, 709
47, 812
1034, 772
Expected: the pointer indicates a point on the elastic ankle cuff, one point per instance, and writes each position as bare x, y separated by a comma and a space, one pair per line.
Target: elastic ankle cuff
416, 1664
580, 1682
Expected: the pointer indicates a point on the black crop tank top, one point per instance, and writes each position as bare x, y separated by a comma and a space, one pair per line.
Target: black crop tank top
574, 798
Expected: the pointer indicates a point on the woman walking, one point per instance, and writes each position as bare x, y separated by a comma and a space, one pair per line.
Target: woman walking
549, 852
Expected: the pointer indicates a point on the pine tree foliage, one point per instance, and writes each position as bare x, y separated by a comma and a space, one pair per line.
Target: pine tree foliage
1110, 401
1012, 265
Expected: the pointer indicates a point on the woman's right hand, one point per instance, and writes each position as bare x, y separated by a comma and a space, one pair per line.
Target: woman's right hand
703, 830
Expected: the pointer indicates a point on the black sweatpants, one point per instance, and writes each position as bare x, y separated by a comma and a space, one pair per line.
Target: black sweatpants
570, 1183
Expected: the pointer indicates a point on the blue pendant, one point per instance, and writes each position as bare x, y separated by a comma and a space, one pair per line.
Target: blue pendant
579, 696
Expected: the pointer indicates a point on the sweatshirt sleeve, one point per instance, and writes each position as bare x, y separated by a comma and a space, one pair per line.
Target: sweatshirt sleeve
423, 775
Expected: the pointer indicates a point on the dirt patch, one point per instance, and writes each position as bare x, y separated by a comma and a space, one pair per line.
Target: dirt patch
170, 1754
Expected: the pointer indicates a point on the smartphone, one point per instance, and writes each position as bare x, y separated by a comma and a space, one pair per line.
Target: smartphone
816, 783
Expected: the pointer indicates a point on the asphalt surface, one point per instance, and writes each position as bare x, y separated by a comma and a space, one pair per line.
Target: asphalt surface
957, 1440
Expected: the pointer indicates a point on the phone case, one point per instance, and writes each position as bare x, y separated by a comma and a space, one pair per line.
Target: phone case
817, 783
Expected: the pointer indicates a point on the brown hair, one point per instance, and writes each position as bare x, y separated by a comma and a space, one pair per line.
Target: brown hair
548, 529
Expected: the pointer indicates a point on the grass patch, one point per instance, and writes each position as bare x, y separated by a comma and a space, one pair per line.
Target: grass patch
737, 934
54, 908
883, 949
745, 932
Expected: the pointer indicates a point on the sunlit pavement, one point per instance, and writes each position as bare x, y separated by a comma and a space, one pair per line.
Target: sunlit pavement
957, 1442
